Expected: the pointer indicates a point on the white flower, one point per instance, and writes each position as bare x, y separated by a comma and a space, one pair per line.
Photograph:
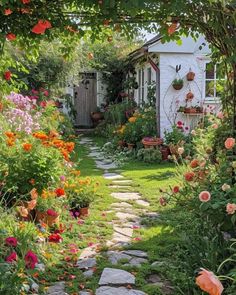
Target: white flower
193, 132
225, 187
180, 150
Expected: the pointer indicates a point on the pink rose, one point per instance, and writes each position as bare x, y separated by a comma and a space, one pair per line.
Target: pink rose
204, 196
229, 143
11, 258
11, 241
230, 208
31, 259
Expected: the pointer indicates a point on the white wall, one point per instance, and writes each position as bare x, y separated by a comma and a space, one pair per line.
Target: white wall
101, 89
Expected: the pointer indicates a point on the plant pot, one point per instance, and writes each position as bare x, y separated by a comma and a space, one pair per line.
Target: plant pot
121, 143
131, 146
190, 76
165, 152
177, 86
189, 96
44, 217
96, 116
84, 211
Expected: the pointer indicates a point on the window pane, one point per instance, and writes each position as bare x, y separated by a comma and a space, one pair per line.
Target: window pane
209, 88
149, 77
210, 71
219, 87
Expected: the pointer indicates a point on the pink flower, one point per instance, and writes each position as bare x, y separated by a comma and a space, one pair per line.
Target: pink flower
230, 208
55, 238
31, 259
51, 212
175, 189
137, 239
11, 241
80, 221
62, 178
214, 126
135, 227
220, 115
46, 93
209, 283
163, 201
229, 143
204, 196
34, 91
11, 258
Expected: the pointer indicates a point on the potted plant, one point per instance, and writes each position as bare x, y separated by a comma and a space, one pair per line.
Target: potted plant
178, 84
190, 76
189, 96
165, 152
174, 139
149, 142
181, 109
199, 109
97, 116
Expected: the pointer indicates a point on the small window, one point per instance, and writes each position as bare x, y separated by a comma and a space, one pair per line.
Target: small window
214, 82
149, 76
141, 86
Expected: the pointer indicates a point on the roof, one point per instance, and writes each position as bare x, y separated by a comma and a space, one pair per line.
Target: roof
134, 54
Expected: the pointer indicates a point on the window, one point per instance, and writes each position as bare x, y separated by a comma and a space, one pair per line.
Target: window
214, 82
141, 86
149, 76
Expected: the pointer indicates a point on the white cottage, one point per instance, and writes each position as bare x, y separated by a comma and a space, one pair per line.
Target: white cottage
165, 62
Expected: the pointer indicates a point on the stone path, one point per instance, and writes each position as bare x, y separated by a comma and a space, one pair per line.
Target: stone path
115, 281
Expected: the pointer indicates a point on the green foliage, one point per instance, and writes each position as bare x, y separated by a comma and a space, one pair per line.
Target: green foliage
150, 155
175, 136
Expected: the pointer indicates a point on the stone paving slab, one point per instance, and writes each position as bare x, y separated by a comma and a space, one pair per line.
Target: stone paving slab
142, 203
112, 186
86, 263
113, 276
121, 205
119, 238
137, 253
115, 257
57, 289
126, 216
105, 166
88, 252
118, 291
125, 231
126, 196
112, 176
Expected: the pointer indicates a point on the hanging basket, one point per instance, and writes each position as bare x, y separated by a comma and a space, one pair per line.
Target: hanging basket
177, 86
190, 76
189, 96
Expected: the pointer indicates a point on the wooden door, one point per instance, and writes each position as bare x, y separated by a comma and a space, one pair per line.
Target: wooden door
85, 98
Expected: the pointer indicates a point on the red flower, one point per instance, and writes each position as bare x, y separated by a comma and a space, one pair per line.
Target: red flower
43, 104
59, 192
11, 241
31, 259
189, 176
175, 189
41, 27
8, 11
10, 36
55, 238
51, 212
11, 258
194, 163
7, 75
163, 201
25, 1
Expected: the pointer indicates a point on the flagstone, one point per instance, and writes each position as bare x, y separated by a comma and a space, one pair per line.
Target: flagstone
106, 290
126, 231
112, 276
112, 176
137, 253
142, 203
126, 196
86, 263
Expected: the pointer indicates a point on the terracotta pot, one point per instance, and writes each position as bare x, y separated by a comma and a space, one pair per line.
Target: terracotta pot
96, 116
189, 96
193, 111
165, 152
177, 86
131, 146
187, 110
84, 211
190, 76
44, 217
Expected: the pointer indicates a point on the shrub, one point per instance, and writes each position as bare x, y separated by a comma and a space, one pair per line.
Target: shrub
150, 155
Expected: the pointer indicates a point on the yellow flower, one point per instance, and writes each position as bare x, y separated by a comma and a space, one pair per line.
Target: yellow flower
132, 119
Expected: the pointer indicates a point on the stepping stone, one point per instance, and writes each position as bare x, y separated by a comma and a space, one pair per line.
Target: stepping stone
57, 289
136, 261
119, 186
84, 293
119, 238
142, 203
112, 176
94, 148
95, 154
136, 253
152, 215
122, 205
112, 276
102, 165
126, 216
126, 196
88, 252
117, 291
114, 257
86, 263
125, 231
125, 181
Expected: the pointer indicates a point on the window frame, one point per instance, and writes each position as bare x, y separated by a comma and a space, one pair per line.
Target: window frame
210, 99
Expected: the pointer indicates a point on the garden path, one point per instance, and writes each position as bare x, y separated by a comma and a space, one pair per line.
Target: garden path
115, 281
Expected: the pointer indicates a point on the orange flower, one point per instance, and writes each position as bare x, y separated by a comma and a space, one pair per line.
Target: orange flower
27, 146
9, 134
40, 135
34, 194
69, 146
76, 172
53, 134
209, 283
58, 143
31, 204
189, 176
204, 196
229, 143
194, 163
65, 154
10, 142
23, 211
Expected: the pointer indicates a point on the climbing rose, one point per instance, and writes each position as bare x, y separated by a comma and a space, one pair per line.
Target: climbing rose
31, 259
11, 241
204, 196
229, 143
25, 1
59, 192
55, 238
11, 258
209, 283
7, 75
175, 189
180, 151
231, 208
189, 176
41, 27
225, 187
10, 36
220, 115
